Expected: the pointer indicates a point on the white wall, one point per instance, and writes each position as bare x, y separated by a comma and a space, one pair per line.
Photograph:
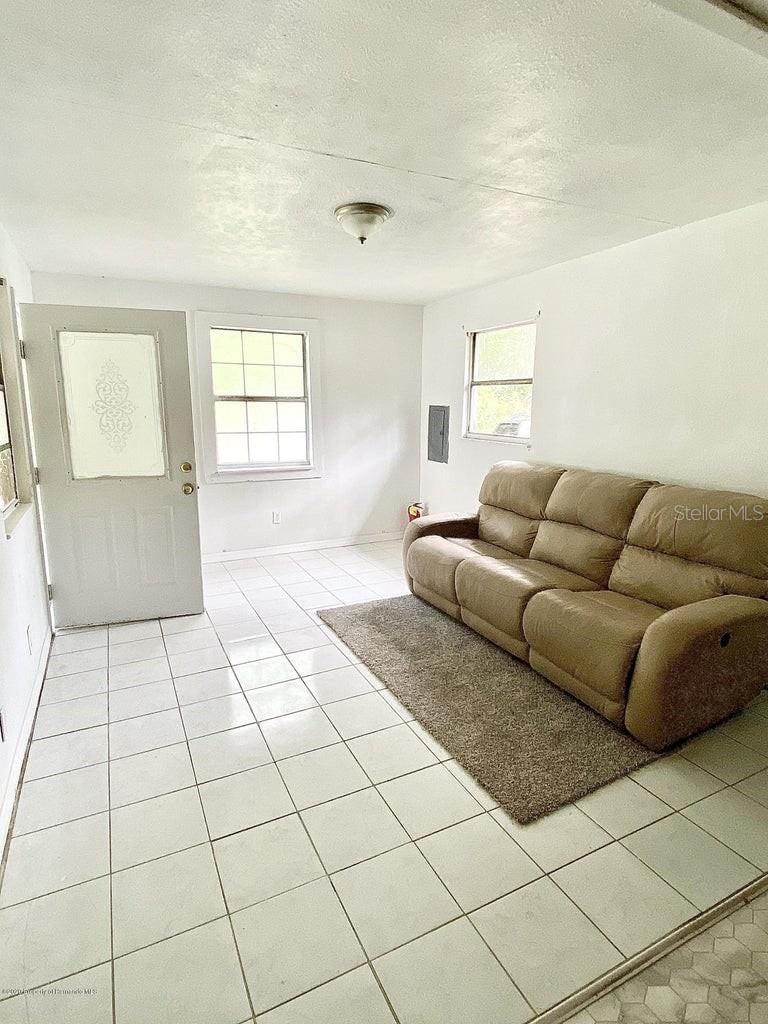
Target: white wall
370, 409
651, 359
24, 625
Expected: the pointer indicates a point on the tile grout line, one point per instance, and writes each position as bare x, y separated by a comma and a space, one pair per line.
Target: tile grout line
111, 896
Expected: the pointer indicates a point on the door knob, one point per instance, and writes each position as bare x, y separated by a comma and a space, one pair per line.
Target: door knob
188, 489
186, 467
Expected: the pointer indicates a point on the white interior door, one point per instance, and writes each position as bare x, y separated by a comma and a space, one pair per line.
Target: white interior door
112, 419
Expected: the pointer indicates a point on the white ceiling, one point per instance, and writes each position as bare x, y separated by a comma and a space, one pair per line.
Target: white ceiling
209, 140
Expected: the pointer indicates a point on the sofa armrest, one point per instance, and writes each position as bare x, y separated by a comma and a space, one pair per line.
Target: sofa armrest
437, 526
697, 665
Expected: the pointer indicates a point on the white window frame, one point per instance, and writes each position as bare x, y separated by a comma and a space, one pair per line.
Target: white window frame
206, 424
469, 381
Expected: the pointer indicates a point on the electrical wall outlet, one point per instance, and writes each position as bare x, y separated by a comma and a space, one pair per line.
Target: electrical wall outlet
277, 518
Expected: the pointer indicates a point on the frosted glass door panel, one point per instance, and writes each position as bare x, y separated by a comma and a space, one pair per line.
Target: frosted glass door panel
113, 405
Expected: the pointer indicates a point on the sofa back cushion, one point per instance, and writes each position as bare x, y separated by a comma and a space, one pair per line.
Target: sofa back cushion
586, 522
512, 502
686, 544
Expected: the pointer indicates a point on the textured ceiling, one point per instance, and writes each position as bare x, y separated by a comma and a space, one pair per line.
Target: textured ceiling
209, 140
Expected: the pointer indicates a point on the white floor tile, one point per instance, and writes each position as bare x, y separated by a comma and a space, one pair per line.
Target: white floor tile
135, 650
149, 774
280, 699
291, 943
61, 798
354, 996
338, 684
723, 757
77, 661
194, 978
304, 639
699, 867
428, 740
265, 673
394, 898
67, 752
389, 753
321, 775
233, 631
241, 801
206, 685
622, 807
265, 861
139, 672
625, 899
80, 684
56, 858
298, 733
735, 820
135, 735
428, 800
54, 936
224, 753
352, 828
478, 861
756, 787
749, 729
216, 715
163, 897
547, 945
195, 640
318, 659
156, 827
677, 781
240, 652
198, 661
359, 715
85, 998
556, 839
145, 699
472, 786
67, 643
70, 715
450, 977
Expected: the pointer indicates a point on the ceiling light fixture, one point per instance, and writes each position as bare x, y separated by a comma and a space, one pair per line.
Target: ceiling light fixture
361, 219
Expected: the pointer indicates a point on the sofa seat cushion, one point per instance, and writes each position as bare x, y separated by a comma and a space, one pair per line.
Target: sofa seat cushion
432, 561
591, 637
498, 591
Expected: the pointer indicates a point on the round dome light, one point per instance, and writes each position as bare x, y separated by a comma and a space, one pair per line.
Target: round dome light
361, 219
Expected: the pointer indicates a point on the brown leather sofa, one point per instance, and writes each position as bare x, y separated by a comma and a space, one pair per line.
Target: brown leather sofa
646, 601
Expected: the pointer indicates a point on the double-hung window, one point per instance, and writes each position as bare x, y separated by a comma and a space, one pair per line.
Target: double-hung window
500, 382
8, 492
259, 397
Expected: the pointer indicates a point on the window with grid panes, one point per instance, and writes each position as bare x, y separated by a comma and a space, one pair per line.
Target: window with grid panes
261, 398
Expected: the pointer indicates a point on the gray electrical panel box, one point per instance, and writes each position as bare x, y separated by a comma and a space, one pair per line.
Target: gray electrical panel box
437, 434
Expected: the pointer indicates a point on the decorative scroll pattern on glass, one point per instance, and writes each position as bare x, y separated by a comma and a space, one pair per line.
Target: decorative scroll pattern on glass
113, 405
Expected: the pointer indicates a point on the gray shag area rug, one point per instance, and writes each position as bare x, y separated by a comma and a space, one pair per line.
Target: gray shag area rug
533, 747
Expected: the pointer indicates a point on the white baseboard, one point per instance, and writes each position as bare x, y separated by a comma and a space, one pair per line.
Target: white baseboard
14, 776
313, 545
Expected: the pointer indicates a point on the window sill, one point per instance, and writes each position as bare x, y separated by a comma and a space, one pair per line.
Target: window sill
15, 516
243, 476
525, 442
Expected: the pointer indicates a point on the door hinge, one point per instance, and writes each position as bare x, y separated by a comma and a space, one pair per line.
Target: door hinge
36, 475
50, 591
22, 349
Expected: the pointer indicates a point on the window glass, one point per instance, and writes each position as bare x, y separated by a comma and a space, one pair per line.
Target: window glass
501, 382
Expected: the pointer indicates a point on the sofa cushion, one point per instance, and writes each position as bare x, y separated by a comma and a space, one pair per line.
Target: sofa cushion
432, 561
593, 637
603, 502
577, 549
520, 487
720, 528
672, 582
498, 591
509, 530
